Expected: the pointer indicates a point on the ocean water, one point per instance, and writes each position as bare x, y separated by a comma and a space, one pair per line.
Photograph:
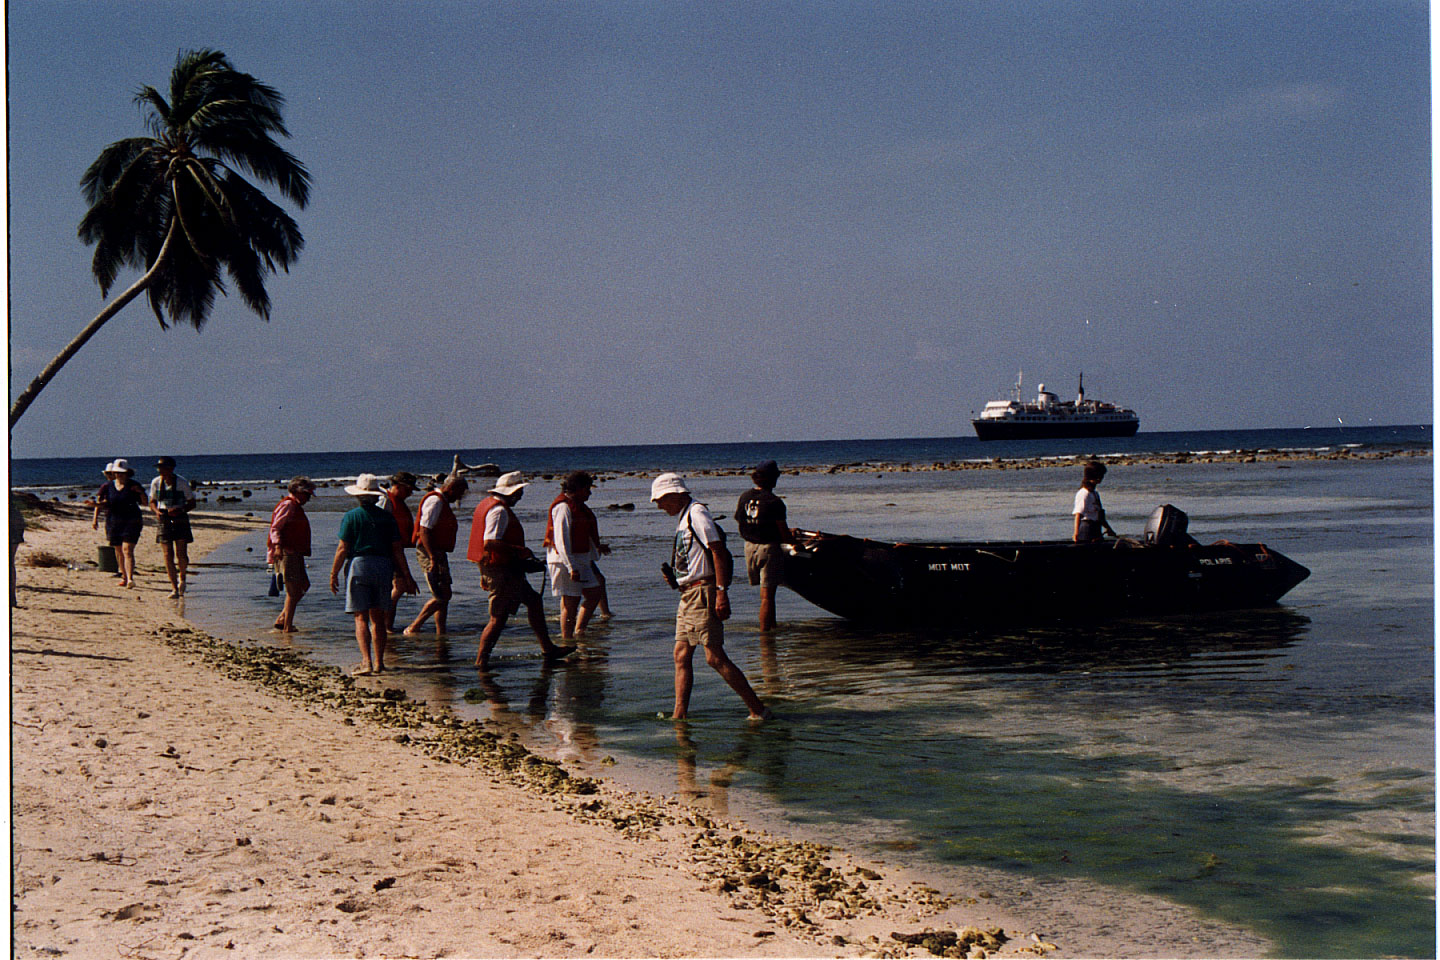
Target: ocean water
1272, 769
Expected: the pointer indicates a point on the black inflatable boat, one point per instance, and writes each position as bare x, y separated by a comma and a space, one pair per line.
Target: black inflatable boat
1163, 571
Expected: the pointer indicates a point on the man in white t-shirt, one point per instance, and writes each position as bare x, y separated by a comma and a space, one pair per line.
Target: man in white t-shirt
701, 564
1089, 514
172, 500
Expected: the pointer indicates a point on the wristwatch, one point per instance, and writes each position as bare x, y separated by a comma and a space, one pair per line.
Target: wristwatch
721, 589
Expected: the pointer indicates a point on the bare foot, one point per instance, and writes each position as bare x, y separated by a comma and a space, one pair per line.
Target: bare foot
765, 714
409, 632
363, 670
558, 652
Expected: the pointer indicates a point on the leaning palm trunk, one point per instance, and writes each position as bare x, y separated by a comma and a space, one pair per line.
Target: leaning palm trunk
22, 402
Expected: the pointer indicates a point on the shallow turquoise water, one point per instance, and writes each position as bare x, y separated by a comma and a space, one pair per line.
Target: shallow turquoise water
1272, 769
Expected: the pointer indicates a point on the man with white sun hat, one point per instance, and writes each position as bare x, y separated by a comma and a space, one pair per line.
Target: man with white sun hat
699, 567
497, 546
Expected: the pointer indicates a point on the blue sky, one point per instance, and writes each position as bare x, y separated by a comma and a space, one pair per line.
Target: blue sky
590, 223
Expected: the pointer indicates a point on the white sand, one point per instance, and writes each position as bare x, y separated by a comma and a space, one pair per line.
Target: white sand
164, 809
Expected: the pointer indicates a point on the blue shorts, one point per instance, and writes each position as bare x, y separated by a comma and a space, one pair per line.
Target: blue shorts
367, 584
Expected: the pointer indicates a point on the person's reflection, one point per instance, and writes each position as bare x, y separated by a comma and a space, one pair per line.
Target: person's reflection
508, 720
770, 680
715, 796
579, 691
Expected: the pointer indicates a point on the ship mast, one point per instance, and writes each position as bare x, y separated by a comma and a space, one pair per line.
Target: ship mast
1081, 398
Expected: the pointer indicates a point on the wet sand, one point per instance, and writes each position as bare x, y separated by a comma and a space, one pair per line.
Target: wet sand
176, 796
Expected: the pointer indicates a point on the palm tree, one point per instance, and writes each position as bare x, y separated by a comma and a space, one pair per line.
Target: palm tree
172, 206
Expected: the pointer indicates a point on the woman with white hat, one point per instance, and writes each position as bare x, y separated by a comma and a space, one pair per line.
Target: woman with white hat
371, 551
122, 499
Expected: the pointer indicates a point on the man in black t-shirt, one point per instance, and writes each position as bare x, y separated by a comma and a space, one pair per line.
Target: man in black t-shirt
761, 518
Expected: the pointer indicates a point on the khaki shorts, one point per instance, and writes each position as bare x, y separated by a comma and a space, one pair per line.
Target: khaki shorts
765, 563
292, 568
508, 589
437, 574
695, 620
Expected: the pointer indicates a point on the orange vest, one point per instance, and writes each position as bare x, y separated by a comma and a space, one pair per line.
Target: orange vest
584, 528
442, 535
403, 518
494, 552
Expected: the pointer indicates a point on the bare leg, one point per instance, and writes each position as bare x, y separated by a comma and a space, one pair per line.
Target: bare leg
684, 678
723, 665
767, 606
432, 606
362, 640
589, 600
488, 636
127, 564
535, 608
168, 549
379, 636
395, 594
182, 562
604, 605
568, 607
286, 623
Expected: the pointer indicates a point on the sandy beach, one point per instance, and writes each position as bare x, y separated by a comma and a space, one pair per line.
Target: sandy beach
178, 797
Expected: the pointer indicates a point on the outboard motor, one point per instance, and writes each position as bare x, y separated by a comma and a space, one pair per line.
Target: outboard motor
1166, 527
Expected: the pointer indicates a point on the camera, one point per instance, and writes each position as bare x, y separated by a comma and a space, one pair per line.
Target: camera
668, 572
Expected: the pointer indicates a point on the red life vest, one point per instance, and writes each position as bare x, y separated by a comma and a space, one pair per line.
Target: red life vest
495, 552
403, 518
294, 536
584, 528
442, 535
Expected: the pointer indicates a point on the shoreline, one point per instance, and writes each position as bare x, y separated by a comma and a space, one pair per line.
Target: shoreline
213, 767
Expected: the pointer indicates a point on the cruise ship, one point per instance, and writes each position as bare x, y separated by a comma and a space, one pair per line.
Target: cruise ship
1048, 417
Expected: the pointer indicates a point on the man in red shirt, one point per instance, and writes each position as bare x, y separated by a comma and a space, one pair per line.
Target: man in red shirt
288, 545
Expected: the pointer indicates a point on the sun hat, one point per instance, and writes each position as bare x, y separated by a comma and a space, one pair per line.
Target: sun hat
405, 477
109, 468
365, 485
165, 462
667, 483
120, 465
510, 483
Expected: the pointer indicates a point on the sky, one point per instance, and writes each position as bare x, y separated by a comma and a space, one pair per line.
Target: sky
554, 224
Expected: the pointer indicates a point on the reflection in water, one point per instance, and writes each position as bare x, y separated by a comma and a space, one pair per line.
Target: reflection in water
1176, 644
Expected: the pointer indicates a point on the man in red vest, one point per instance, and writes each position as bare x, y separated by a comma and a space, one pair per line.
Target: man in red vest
572, 545
497, 546
435, 529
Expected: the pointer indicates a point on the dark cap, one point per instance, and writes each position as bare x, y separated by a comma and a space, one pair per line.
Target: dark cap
405, 477
165, 462
766, 469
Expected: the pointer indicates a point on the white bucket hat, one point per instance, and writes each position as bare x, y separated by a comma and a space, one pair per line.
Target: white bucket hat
366, 485
667, 483
119, 465
510, 483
